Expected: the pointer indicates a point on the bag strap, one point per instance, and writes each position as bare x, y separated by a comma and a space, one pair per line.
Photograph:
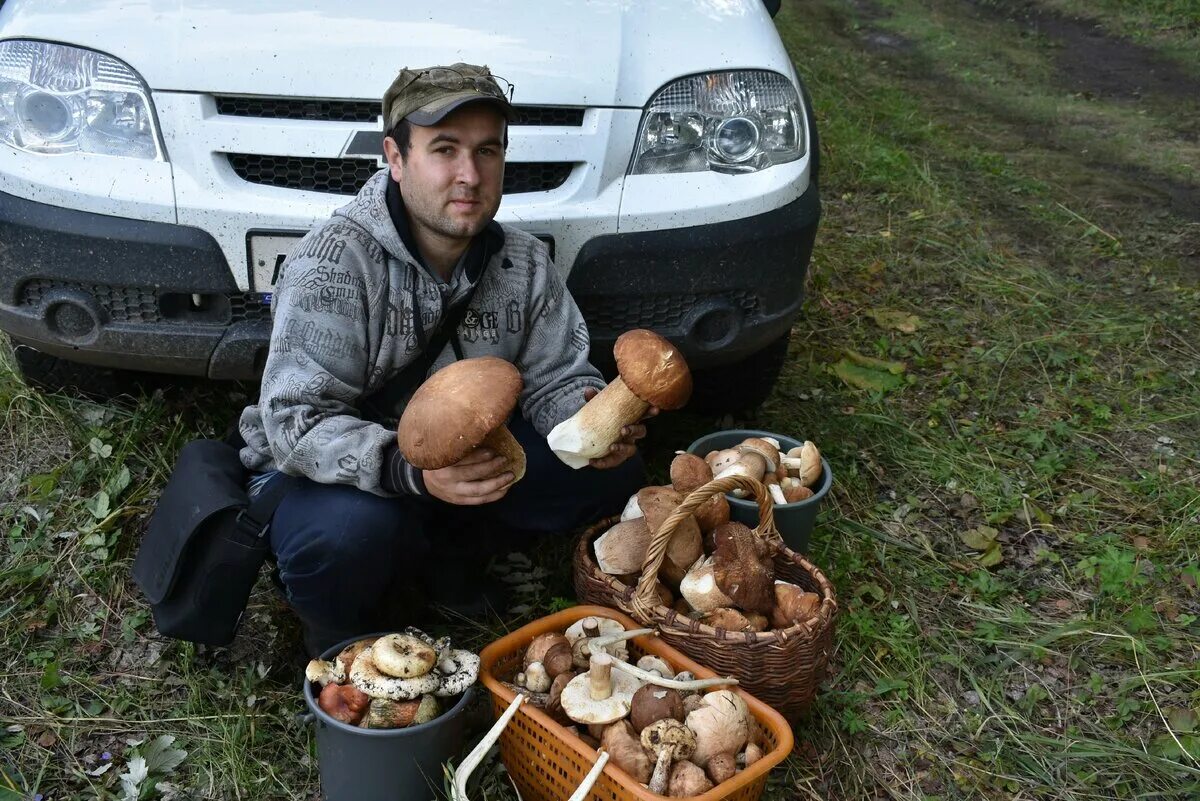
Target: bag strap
384, 401
255, 519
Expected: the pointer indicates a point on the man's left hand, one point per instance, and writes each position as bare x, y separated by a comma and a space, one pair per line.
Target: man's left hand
624, 447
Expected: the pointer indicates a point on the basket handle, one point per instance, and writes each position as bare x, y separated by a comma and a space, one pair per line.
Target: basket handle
644, 598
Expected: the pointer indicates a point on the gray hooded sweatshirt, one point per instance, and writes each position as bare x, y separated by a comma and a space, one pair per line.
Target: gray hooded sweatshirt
354, 306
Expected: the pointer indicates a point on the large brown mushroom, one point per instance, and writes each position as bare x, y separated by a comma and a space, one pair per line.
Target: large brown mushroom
651, 704
721, 725
743, 568
622, 742
652, 373
686, 546
462, 407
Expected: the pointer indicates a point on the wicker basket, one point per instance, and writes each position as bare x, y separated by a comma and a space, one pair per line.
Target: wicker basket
783, 667
547, 762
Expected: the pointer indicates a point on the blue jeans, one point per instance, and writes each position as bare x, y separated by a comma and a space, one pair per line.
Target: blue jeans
352, 562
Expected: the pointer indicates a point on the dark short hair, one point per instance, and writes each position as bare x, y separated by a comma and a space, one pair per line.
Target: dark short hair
402, 133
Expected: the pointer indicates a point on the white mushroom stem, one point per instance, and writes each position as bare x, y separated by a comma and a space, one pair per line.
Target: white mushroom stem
590, 432
502, 443
602, 643
600, 676
674, 684
472, 760
585, 787
776, 493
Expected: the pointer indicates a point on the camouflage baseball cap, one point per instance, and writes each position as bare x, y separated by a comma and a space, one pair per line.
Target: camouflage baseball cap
425, 96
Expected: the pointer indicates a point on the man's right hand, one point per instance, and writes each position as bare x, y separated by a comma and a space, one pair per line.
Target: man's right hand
479, 477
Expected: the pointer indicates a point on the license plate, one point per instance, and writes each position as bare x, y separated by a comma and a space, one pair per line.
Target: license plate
267, 252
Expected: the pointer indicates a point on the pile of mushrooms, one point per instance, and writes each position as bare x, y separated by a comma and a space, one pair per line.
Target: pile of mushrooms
392, 681
716, 570
655, 724
651, 372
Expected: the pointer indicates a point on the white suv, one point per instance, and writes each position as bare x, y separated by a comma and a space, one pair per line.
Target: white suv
157, 163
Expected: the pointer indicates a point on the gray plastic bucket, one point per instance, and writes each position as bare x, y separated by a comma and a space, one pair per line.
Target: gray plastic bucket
385, 764
795, 521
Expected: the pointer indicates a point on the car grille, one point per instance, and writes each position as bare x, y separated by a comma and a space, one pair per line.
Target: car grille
289, 108
347, 176
142, 304
613, 314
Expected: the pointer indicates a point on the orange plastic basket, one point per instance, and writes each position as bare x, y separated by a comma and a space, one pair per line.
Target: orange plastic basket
547, 762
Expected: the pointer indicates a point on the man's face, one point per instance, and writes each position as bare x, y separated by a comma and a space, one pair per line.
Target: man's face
451, 179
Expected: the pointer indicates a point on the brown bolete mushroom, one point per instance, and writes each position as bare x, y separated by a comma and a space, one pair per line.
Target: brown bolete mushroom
554, 699
687, 780
688, 472
462, 407
553, 650
627, 752
756, 458
669, 740
622, 549
343, 702
792, 605
686, 544
651, 704
652, 373
735, 620
699, 587
804, 462
743, 568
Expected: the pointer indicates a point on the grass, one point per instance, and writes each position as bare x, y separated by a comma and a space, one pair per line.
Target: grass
1015, 526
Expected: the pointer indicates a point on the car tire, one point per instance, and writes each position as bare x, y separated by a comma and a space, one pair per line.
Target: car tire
741, 386
53, 374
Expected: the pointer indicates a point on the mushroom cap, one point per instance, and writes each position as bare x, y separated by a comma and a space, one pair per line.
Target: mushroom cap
734, 620
721, 767
605, 625
743, 568
455, 410
651, 704
540, 645
792, 605
687, 780
667, 734
686, 545
766, 450
653, 369
622, 549
627, 752
721, 725
403, 656
689, 471
712, 513
554, 698
577, 702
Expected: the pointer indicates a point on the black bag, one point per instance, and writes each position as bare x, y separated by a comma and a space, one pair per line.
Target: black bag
205, 544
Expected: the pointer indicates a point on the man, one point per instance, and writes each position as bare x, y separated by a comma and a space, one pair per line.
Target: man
409, 276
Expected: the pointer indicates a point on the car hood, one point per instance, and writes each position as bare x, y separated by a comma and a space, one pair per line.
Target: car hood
601, 53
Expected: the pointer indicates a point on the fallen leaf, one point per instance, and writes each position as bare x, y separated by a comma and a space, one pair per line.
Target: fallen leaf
980, 539
896, 320
1183, 721
1141, 543
47, 739
860, 377
872, 363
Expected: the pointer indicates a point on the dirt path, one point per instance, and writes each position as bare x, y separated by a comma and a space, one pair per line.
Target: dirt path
1092, 62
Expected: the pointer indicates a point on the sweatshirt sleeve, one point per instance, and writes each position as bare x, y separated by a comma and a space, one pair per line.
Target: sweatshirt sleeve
318, 363
554, 358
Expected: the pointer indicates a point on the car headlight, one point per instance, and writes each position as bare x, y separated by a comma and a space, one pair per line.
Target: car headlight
738, 121
60, 99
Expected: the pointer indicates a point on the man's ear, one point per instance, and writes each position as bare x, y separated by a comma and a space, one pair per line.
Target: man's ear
395, 161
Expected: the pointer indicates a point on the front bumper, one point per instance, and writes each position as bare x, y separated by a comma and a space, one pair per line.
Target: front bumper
123, 293
142, 295
720, 292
